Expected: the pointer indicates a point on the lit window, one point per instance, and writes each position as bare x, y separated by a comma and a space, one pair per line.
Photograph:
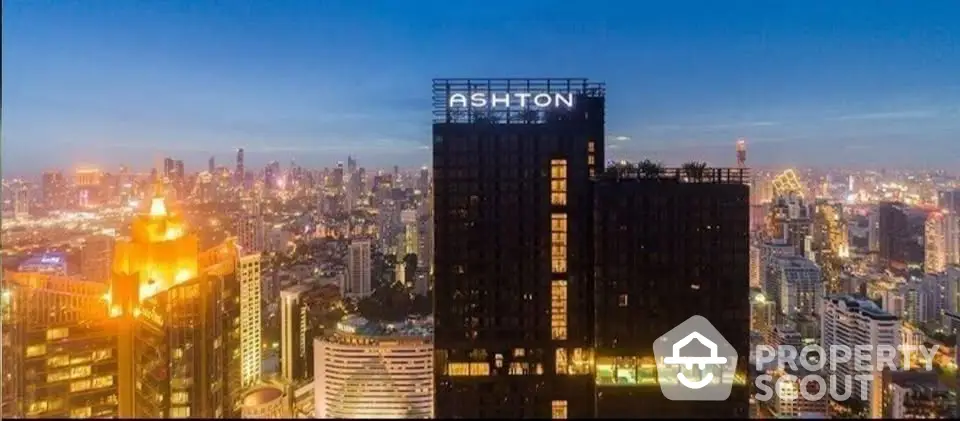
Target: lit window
560, 355
84, 412
180, 412
591, 160
479, 369
36, 350
498, 360
80, 385
560, 407
58, 361
80, 371
58, 333
518, 352
623, 301
518, 369
57, 376
102, 381
591, 147
558, 310
458, 369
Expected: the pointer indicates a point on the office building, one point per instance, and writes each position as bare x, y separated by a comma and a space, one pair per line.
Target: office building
96, 257
358, 279
513, 246
178, 315
677, 233
239, 173
59, 348
251, 232
935, 243
916, 395
800, 282
949, 203
849, 321
295, 340
377, 370
893, 231
251, 336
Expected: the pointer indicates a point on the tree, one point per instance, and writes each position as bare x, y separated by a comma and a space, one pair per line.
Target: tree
695, 170
650, 169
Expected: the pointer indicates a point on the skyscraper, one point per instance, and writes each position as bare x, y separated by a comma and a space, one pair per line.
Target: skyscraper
251, 340
670, 244
96, 258
358, 279
211, 165
178, 312
240, 173
295, 343
849, 322
513, 245
949, 203
892, 219
59, 348
935, 243
250, 231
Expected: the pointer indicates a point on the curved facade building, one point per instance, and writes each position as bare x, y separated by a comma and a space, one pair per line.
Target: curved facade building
375, 370
263, 402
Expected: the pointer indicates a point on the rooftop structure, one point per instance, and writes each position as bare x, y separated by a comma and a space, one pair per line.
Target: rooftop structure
359, 326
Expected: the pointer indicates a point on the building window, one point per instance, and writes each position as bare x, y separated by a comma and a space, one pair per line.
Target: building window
458, 369
558, 310
560, 357
591, 147
59, 333
558, 249
560, 407
558, 182
623, 300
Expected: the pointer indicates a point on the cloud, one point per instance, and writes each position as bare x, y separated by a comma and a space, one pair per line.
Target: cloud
895, 115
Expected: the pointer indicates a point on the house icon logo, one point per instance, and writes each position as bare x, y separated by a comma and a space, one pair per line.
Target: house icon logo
695, 362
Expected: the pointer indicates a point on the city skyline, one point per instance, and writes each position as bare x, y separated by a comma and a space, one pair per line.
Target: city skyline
112, 82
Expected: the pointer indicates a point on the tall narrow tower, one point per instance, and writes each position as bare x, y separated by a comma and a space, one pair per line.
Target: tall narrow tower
741, 153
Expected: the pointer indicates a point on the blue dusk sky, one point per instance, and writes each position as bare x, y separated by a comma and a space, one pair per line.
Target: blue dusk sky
105, 82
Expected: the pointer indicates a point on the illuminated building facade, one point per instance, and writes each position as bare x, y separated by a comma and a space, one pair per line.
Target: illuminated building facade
178, 315
358, 279
949, 203
251, 233
376, 370
59, 348
832, 243
251, 336
513, 246
264, 402
54, 190
850, 321
96, 258
668, 247
295, 343
935, 243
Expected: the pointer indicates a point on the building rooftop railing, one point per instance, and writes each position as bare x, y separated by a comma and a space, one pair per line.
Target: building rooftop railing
679, 174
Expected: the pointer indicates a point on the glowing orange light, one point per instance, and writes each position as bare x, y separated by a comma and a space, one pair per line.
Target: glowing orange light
158, 207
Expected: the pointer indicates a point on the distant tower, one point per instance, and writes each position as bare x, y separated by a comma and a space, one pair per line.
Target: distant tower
741, 153
239, 174
211, 165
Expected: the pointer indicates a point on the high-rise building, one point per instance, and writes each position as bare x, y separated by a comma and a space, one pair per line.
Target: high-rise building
800, 285
240, 173
513, 245
848, 321
54, 189
59, 348
21, 203
251, 335
893, 230
949, 203
251, 232
358, 279
211, 165
375, 370
96, 258
667, 233
935, 243
790, 220
295, 341
178, 312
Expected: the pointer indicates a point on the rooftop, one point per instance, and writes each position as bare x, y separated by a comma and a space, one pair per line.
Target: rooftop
414, 327
702, 175
262, 395
863, 306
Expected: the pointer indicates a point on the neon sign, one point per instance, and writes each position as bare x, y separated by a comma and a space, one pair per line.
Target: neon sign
511, 99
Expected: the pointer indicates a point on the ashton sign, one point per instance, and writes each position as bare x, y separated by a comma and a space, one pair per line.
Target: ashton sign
511, 100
